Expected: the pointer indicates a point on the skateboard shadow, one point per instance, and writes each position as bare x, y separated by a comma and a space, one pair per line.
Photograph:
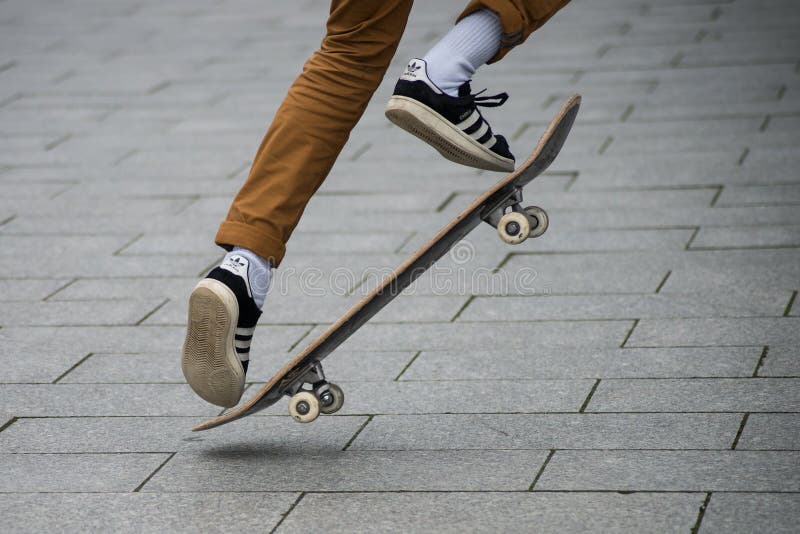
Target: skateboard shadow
266, 449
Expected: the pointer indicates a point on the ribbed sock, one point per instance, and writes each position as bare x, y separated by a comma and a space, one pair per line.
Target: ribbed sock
471, 43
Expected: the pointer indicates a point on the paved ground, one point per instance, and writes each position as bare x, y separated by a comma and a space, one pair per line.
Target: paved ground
636, 369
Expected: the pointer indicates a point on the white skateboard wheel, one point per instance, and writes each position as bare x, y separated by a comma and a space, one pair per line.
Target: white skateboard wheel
304, 407
514, 228
538, 219
338, 400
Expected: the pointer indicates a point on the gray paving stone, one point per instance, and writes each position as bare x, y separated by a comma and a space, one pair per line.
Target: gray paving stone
750, 512
104, 313
781, 361
140, 512
456, 336
29, 290
76, 472
493, 512
549, 431
719, 332
315, 309
769, 236
542, 362
287, 470
640, 272
671, 471
778, 431
623, 306
43, 400
138, 339
171, 434
760, 195
511, 396
697, 395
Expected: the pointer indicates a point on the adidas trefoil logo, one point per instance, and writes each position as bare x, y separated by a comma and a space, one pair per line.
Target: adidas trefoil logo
411, 69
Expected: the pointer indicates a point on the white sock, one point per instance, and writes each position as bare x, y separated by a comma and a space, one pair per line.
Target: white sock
471, 43
259, 272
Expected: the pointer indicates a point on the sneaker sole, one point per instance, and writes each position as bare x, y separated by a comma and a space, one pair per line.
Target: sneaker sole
209, 360
452, 143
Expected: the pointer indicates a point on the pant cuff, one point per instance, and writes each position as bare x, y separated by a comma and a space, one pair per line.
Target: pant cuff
236, 234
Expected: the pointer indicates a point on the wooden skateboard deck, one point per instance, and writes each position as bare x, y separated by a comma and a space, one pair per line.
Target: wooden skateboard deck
487, 207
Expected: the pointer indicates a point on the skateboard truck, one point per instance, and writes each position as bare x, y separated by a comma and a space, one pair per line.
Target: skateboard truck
520, 223
323, 397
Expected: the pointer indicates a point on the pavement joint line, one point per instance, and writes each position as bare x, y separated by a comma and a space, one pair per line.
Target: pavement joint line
663, 281
72, 368
606, 143
781, 92
360, 429
716, 196
56, 142
740, 430
761, 360
572, 177
7, 65
151, 475
151, 312
407, 365
127, 244
158, 87
691, 239
541, 469
449, 198
289, 511
360, 152
187, 203
626, 113
630, 332
9, 423
789, 305
61, 288
302, 337
700, 513
743, 157
521, 130
588, 399
602, 51
10, 99
700, 35
405, 241
123, 157
8, 219
765, 124
462, 308
549, 101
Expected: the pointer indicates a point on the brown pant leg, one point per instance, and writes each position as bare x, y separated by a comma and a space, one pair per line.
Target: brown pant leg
519, 18
313, 123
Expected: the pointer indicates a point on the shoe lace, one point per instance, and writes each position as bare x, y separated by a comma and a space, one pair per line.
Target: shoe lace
492, 101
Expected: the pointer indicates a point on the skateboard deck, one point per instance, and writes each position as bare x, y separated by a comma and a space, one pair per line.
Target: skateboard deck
514, 227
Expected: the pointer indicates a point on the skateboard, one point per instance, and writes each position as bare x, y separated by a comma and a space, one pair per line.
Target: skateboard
302, 378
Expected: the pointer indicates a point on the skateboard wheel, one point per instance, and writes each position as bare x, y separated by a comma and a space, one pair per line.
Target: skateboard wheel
538, 219
304, 407
336, 402
514, 227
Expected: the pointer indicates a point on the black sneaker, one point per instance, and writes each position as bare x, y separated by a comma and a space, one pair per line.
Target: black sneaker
222, 318
452, 125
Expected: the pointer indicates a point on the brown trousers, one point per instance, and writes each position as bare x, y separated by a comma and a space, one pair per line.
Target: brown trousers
324, 104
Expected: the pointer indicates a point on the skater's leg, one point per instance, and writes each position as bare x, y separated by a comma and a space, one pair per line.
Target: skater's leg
308, 132
433, 99
313, 123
